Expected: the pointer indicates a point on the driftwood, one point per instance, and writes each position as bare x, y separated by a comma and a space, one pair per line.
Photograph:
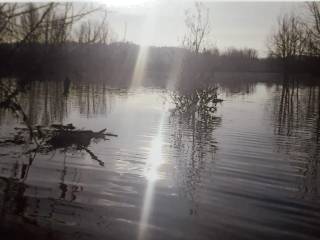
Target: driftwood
47, 139
63, 137
60, 136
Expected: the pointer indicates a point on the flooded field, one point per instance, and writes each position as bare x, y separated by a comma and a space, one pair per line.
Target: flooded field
249, 172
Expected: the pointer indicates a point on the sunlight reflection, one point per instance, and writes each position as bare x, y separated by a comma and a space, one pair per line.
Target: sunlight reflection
155, 160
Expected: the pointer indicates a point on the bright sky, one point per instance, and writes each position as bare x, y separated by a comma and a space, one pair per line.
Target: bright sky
161, 22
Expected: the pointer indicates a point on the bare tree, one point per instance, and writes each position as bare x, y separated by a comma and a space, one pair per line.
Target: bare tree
198, 27
59, 24
9, 19
314, 28
6, 11
94, 32
290, 39
30, 21
245, 53
49, 23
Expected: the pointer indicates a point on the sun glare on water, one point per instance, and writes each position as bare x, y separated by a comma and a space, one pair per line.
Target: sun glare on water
151, 173
155, 160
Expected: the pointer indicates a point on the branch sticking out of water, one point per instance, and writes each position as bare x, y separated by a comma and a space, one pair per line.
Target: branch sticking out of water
201, 101
57, 136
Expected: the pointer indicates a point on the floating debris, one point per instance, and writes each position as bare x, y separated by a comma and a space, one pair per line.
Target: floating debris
58, 136
46, 139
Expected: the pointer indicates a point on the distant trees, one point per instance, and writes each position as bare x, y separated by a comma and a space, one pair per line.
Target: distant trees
314, 28
94, 32
297, 37
296, 41
198, 27
290, 39
245, 53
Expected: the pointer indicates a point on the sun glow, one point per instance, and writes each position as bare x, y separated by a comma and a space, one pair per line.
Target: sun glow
147, 33
140, 67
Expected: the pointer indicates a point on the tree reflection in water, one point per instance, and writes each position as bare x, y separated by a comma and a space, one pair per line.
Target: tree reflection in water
41, 139
297, 123
48, 101
20, 202
193, 122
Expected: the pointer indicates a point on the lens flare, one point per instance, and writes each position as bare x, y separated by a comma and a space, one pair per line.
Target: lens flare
140, 67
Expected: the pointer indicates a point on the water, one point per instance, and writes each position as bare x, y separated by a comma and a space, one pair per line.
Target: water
251, 172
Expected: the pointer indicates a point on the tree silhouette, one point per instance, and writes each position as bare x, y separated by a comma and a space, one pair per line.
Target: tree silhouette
198, 27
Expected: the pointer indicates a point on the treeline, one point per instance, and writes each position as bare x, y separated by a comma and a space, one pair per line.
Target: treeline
295, 44
116, 62
36, 38
63, 39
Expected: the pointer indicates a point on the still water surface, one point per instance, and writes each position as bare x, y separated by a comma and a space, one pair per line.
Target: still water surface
249, 173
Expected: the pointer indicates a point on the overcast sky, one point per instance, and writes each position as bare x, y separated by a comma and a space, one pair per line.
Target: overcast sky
161, 22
